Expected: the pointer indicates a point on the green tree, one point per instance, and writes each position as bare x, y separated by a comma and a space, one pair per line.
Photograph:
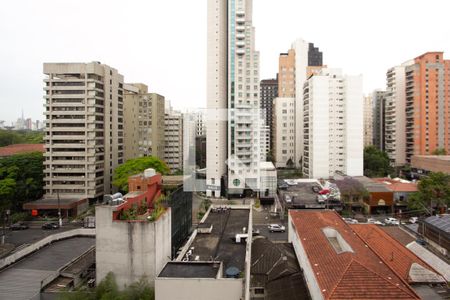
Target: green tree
9, 137
21, 179
136, 166
376, 162
440, 151
107, 289
433, 191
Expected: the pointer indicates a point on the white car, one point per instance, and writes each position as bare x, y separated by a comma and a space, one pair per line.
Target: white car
374, 221
392, 221
351, 221
276, 228
413, 220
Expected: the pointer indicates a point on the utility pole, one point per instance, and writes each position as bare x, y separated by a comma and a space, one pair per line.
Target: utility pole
59, 210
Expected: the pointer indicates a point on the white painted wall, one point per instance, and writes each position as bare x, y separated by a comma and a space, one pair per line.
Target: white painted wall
198, 289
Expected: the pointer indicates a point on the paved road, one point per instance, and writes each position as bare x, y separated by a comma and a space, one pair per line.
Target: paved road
272, 236
22, 281
29, 236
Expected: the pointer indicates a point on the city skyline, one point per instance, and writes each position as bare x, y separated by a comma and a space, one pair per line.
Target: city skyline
373, 46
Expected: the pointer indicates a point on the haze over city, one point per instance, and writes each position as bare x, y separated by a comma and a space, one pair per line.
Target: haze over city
163, 43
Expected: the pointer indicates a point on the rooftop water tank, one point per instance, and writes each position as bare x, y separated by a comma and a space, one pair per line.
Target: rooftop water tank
149, 173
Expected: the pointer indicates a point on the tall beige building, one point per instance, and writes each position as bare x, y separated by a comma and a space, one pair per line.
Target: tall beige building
84, 129
173, 153
368, 121
144, 122
301, 62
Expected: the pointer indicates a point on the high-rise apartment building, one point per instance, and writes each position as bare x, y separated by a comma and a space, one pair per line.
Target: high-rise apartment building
143, 123
333, 125
284, 132
234, 122
173, 153
378, 106
269, 91
368, 121
394, 115
301, 62
84, 129
427, 105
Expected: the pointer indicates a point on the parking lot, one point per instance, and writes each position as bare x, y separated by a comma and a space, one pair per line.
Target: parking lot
31, 235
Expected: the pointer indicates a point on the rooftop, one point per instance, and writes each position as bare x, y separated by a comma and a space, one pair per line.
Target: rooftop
435, 157
21, 148
275, 267
190, 270
356, 273
219, 244
441, 222
398, 257
371, 185
397, 185
51, 203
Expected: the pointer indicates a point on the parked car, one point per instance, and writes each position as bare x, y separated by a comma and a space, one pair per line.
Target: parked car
51, 225
413, 220
315, 189
276, 228
374, 221
18, 226
421, 242
351, 221
392, 221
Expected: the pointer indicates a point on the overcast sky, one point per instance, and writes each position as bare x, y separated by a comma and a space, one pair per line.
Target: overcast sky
162, 43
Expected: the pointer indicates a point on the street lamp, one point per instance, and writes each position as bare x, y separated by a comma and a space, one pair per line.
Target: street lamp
59, 210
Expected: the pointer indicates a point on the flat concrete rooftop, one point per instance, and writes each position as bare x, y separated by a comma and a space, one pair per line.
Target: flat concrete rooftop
190, 270
219, 244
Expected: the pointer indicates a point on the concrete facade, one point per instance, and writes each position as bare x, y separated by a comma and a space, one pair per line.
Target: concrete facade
295, 67
173, 153
427, 111
144, 122
84, 132
333, 125
368, 121
431, 163
378, 115
233, 99
131, 249
284, 132
395, 116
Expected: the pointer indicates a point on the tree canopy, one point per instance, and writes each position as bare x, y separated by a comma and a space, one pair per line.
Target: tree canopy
107, 289
376, 162
440, 151
21, 179
433, 191
136, 166
10, 137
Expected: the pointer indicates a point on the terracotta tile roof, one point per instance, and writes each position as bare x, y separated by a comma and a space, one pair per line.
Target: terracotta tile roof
397, 186
21, 148
398, 257
360, 274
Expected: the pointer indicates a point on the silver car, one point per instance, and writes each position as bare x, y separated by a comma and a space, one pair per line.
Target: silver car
276, 228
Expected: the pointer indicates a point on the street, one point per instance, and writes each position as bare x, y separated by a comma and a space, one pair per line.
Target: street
31, 235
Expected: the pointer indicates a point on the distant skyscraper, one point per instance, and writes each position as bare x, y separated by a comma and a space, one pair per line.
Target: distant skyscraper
378, 115
144, 122
84, 129
173, 153
233, 143
333, 125
269, 91
295, 67
427, 105
368, 123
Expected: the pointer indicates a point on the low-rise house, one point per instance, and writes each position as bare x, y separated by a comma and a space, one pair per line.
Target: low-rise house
436, 229
381, 198
424, 164
338, 264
